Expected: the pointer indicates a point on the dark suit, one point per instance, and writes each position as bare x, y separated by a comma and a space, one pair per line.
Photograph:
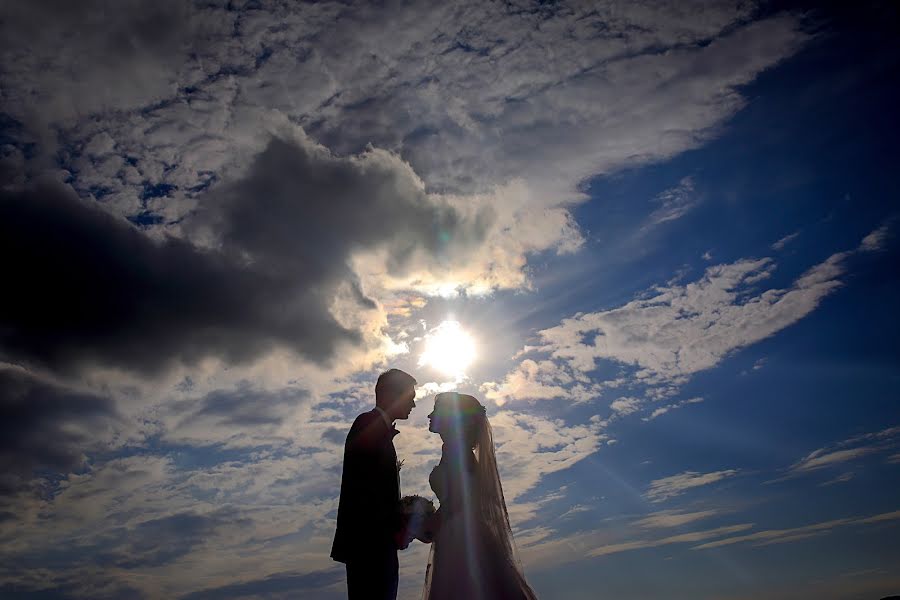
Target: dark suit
368, 511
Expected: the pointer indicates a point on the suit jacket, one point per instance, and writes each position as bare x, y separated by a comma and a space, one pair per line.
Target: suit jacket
369, 507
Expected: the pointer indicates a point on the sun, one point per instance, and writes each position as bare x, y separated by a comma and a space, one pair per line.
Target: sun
449, 349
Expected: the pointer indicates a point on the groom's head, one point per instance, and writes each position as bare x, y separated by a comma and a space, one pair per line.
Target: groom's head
395, 393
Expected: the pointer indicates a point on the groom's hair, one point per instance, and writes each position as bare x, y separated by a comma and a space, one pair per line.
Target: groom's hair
391, 383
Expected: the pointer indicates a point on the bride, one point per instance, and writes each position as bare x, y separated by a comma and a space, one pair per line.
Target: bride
472, 554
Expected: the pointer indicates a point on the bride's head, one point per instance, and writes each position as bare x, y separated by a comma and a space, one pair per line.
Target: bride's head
457, 418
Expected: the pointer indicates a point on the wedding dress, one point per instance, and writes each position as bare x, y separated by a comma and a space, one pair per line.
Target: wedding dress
472, 556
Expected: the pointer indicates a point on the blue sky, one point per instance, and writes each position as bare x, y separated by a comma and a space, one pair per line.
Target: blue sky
671, 232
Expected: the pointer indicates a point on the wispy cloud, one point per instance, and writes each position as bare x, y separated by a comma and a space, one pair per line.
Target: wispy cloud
780, 244
672, 518
875, 240
842, 452
782, 536
673, 331
675, 485
683, 538
669, 407
674, 203
842, 478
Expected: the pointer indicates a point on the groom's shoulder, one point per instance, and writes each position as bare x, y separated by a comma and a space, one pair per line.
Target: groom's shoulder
365, 419
364, 425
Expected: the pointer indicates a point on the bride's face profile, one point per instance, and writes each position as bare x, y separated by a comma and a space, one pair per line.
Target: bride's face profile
436, 419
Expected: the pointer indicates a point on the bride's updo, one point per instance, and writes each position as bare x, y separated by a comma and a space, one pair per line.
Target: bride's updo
464, 414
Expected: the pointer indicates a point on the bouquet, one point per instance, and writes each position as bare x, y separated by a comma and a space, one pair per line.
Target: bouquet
415, 511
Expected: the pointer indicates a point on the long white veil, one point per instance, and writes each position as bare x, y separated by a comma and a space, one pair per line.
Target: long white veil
503, 563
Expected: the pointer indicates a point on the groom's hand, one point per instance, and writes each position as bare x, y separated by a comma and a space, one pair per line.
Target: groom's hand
402, 539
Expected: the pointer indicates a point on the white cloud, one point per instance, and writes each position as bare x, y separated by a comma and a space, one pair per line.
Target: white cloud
683, 329
530, 447
625, 406
544, 380
667, 335
675, 485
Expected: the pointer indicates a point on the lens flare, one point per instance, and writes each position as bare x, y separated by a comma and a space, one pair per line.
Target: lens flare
448, 349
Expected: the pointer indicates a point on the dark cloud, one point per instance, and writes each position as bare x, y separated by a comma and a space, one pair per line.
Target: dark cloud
105, 54
303, 212
87, 288
158, 542
243, 407
283, 585
334, 435
45, 426
71, 585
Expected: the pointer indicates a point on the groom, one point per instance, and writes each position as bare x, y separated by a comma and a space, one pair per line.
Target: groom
369, 525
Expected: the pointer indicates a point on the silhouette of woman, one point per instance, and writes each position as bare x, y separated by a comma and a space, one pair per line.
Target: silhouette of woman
472, 555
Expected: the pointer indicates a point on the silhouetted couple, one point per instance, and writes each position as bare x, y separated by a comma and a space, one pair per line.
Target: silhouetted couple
472, 555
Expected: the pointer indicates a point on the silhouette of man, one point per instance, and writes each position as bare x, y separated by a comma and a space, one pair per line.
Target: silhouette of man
369, 524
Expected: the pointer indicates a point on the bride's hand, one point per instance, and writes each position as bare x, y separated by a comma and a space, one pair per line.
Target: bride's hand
432, 526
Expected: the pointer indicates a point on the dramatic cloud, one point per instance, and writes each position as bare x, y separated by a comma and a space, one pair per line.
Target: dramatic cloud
171, 100
126, 54
675, 485
220, 219
46, 426
278, 274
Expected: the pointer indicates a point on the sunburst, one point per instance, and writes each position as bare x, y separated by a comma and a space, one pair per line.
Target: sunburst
449, 349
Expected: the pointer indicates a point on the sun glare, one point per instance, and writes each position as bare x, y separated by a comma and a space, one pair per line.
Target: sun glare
448, 349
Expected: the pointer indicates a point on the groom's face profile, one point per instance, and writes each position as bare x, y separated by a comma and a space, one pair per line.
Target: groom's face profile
404, 403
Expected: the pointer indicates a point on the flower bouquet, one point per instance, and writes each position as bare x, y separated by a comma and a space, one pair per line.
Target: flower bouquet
415, 511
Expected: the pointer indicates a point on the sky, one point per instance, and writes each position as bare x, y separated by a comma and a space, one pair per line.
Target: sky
658, 240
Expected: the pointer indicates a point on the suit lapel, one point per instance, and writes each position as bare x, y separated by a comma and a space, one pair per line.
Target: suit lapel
388, 432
